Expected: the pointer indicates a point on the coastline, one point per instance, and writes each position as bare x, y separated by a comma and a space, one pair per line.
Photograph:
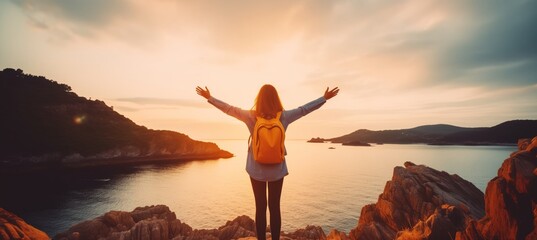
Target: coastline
149, 159
110, 162
443, 205
181, 186
426, 143
472, 144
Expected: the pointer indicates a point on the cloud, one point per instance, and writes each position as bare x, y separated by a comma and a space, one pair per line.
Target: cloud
70, 19
399, 46
245, 26
373, 49
342, 26
95, 12
501, 44
382, 46
126, 109
164, 102
231, 26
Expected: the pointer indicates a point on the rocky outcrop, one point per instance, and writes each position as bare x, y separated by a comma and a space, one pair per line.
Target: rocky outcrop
13, 227
316, 140
158, 222
510, 199
337, 235
130, 155
153, 222
310, 232
510, 204
444, 223
419, 195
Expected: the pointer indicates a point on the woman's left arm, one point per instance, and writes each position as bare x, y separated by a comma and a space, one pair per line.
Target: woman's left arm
295, 114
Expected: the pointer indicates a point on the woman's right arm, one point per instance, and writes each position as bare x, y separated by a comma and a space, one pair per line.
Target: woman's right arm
243, 115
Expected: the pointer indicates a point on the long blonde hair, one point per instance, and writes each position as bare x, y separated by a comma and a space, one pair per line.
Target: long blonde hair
267, 103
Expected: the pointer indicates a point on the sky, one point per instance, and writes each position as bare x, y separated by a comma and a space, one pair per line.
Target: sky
399, 64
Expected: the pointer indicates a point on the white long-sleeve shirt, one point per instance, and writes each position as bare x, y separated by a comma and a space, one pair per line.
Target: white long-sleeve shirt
259, 171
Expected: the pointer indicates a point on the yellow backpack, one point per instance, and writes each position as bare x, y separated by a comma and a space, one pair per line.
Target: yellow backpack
268, 140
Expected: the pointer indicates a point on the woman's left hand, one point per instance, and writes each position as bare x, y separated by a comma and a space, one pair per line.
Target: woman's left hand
330, 93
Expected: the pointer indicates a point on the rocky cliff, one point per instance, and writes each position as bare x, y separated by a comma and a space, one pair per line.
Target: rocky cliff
422, 203
158, 222
414, 194
13, 227
510, 199
45, 124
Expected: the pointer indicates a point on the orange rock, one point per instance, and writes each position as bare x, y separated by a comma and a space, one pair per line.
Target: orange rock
13, 227
159, 223
523, 143
337, 235
409, 200
532, 148
510, 200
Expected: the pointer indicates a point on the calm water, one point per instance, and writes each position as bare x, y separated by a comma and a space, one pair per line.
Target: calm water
326, 187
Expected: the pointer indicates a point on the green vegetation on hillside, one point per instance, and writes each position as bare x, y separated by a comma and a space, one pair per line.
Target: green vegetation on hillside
41, 116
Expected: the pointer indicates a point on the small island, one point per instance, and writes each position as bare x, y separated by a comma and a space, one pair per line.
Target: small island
316, 140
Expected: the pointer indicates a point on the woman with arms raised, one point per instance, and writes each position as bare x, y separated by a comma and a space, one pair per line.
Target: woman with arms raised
267, 108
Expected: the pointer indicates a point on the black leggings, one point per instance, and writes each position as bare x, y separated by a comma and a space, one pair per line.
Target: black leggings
274, 194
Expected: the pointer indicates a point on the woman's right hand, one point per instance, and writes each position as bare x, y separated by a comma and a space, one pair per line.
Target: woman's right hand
203, 92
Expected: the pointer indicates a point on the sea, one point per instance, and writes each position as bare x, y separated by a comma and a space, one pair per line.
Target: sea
328, 184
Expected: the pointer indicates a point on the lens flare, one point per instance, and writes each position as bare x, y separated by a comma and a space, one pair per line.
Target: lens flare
79, 119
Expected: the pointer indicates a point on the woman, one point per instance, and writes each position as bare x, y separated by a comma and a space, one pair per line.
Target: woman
267, 105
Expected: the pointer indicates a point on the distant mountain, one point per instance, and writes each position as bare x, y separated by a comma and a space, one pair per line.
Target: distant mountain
505, 133
440, 129
45, 124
